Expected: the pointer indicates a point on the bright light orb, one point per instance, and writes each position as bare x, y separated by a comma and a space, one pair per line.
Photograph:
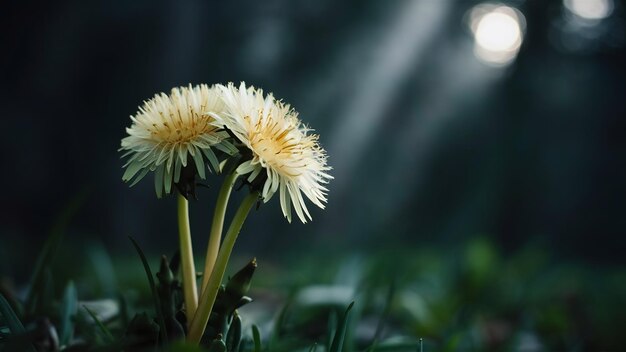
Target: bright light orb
593, 10
498, 33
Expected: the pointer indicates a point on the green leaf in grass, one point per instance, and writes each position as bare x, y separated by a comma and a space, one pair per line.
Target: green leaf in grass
331, 328
256, 336
233, 337
217, 345
383, 317
278, 325
69, 307
155, 295
48, 253
103, 329
12, 320
337, 345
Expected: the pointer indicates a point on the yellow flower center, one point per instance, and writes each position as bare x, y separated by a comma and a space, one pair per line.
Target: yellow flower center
176, 129
275, 145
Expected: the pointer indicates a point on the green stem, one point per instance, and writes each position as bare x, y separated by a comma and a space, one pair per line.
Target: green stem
217, 227
200, 319
186, 256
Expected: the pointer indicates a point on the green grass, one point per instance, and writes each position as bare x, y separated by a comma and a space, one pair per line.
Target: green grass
470, 297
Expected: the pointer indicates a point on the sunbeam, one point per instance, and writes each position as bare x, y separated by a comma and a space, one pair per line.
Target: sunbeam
414, 28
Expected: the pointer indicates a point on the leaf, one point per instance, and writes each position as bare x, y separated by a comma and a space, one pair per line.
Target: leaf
313, 348
182, 346
239, 284
175, 263
155, 296
69, 307
104, 272
337, 345
331, 328
48, 253
233, 337
105, 332
217, 346
256, 336
45, 297
14, 323
280, 321
400, 345
45, 258
383, 316
123, 310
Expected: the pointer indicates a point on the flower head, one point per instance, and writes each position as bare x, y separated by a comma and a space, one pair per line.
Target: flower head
285, 156
168, 131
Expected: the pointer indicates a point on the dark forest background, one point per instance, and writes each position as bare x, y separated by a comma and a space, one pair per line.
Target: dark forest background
430, 146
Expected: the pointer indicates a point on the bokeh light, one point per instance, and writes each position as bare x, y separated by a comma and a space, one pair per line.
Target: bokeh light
590, 9
498, 33
478, 152
587, 26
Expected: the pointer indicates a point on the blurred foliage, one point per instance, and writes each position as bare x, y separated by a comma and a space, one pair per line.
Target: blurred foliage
472, 297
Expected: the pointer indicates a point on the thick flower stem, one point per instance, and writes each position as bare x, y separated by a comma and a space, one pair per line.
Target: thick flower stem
200, 319
186, 257
217, 226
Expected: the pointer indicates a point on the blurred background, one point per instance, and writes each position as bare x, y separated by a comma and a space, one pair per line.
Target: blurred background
457, 131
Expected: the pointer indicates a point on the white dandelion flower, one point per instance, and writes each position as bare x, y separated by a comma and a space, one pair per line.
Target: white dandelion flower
169, 130
286, 157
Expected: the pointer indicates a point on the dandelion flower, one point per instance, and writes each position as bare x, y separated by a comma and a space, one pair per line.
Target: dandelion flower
286, 157
168, 131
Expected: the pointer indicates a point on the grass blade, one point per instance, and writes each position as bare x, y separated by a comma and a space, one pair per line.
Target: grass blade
43, 260
337, 345
182, 346
278, 325
233, 337
124, 318
331, 328
256, 336
105, 332
69, 308
400, 345
155, 295
383, 317
48, 253
14, 323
